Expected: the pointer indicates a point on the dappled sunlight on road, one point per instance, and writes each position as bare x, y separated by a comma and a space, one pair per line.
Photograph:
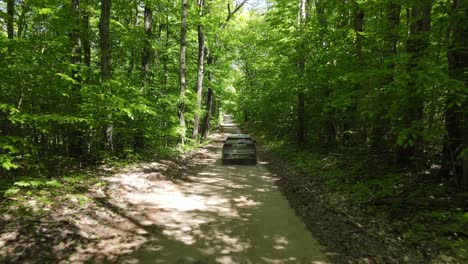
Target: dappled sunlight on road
202, 212
223, 214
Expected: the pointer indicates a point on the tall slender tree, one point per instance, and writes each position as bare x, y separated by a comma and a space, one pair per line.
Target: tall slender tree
302, 22
183, 70
76, 137
147, 50
201, 72
10, 21
106, 72
86, 40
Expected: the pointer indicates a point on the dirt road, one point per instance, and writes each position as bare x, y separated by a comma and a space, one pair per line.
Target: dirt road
225, 214
198, 211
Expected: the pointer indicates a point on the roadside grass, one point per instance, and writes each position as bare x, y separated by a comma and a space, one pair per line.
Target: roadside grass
414, 210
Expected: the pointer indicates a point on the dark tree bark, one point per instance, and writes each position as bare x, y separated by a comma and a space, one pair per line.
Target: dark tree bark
183, 70
209, 111
76, 136
358, 29
10, 22
205, 130
104, 25
106, 73
86, 41
200, 76
417, 44
456, 118
231, 12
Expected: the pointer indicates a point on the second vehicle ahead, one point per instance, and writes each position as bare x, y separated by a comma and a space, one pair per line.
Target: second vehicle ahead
238, 148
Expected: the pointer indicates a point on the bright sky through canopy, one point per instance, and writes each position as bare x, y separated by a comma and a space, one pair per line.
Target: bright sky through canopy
258, 5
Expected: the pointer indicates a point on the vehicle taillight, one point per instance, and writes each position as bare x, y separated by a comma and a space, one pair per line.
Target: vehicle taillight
227, 145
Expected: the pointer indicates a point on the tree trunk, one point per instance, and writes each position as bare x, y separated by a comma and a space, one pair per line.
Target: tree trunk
417, 45
358, 29
183, 69
22, 20
139, 138
105, 45
456, 118
76, 136
201, 61
86, 41
76, 32
209, 97
10, 22
106, 73
165, 56
147, 50
302, 20
209, 110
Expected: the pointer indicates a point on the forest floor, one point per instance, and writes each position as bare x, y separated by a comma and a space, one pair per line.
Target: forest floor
187, 210
193, 209
367, 212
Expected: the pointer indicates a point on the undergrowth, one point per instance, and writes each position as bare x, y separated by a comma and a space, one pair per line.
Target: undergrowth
384, 196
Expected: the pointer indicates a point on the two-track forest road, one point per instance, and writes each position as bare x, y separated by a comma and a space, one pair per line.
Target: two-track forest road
224, 214
194, 211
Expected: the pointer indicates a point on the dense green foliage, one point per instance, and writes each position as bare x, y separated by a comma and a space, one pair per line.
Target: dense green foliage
370, 98
371, 92
385, 75
409, 212
58, 105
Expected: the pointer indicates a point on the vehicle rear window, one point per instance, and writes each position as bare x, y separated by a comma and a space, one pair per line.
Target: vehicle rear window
239, 140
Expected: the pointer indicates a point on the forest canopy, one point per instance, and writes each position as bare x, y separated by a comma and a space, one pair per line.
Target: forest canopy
368, 96
388, 75
83, 80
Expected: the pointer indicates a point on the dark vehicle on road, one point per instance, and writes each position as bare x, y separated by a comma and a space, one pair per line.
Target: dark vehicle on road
239, 148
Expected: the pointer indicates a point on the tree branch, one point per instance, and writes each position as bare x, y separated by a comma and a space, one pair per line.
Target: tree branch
236, 9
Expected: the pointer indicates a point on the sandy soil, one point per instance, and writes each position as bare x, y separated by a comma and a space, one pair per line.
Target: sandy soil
168, 212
